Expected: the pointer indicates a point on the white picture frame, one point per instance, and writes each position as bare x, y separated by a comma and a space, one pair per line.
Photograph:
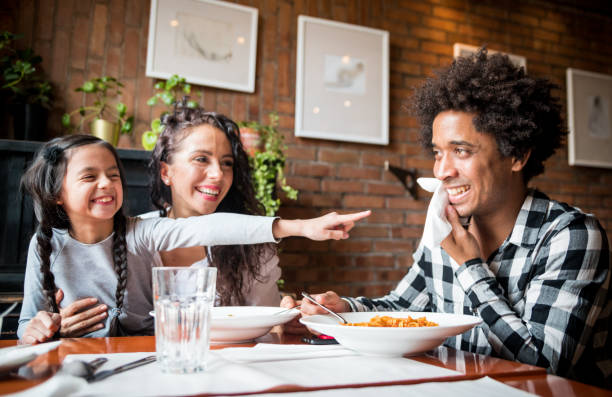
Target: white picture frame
464, 50
342, 82
210, 43
589, 118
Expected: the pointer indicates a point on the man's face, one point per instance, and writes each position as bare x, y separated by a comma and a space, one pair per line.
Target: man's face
473, 171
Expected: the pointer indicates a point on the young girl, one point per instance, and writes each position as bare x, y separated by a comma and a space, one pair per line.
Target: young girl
84, 243
199, 167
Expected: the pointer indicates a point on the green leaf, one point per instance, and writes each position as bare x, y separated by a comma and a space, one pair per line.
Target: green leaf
156, 125
66, 120
82, 111
152, 101
192, 104
149, 139
88, 87
121, 108
167, 98
159, 86
187, 88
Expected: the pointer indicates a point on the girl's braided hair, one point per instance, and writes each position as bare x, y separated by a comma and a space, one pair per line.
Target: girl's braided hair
43, 181
237, 264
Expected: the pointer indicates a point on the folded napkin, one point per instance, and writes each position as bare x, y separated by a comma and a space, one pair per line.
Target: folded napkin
437, 226
16, 356
245, 370
465, 388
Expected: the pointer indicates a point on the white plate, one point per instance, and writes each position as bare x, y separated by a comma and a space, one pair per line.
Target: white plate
15, 356
236, 324
391, 341
232, 324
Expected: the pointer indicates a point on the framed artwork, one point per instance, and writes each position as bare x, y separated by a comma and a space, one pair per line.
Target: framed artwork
464, 50
212, 43
342, 82
589, 107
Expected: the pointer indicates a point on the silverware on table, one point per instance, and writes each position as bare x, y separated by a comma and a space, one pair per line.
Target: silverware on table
105, 374
310, 298
83, 369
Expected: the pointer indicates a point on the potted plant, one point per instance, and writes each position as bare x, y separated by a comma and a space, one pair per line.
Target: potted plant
268, 164
107, 119
23, 89
168, 93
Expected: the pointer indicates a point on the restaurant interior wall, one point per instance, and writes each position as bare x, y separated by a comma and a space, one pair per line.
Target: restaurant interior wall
82, 39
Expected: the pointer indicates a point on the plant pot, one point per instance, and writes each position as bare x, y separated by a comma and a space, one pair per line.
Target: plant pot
106, 130
251, 140
29, 122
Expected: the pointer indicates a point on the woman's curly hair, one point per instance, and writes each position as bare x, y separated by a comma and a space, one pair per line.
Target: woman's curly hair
238, 265
518, 110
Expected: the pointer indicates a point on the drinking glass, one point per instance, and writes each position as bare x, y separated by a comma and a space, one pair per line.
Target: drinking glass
183, 298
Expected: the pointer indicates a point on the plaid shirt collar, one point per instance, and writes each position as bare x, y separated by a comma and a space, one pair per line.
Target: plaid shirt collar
531, 217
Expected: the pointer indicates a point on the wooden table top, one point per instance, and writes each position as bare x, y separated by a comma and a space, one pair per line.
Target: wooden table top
471, 366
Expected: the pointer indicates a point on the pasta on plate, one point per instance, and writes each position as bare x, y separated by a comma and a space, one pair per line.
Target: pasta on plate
388, 321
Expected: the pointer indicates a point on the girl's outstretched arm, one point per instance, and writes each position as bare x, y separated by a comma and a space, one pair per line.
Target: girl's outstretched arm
327, 227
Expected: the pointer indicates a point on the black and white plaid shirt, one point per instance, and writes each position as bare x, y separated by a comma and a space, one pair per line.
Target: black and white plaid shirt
543, 295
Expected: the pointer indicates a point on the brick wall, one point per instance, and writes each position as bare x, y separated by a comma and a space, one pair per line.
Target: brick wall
80, 39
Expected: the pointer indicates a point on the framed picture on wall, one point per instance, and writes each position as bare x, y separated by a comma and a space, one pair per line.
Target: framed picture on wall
212, 43
342, 82
464, 50
589, 111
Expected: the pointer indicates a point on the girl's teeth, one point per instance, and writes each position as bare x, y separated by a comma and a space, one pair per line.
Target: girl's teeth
208, 191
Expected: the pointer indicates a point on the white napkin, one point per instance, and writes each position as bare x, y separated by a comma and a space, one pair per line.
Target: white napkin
437, 226
244, 370
465, 388
15, 356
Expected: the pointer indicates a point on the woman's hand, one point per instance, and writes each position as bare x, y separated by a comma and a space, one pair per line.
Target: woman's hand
331, 226
460, 244
330, 300
41, 328
80, 317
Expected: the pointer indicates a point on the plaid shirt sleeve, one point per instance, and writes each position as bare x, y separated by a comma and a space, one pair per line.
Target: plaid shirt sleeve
409, 295
568, 287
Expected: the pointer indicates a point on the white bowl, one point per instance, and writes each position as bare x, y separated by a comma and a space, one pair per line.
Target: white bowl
391, 341
234, 324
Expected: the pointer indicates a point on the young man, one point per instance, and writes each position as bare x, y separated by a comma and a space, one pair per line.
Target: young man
536, 271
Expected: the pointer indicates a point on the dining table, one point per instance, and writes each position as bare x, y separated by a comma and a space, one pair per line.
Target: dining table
468, 366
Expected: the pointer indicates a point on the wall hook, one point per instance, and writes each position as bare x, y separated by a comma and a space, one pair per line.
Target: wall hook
406, 177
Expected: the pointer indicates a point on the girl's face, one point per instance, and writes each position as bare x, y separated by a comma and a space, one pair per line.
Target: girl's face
200, 172
92, 190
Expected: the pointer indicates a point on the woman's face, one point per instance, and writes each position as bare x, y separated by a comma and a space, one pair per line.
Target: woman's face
200, 172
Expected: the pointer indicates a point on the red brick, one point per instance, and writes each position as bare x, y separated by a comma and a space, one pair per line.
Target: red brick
78, 55
300, 152
448, 13
351, 245
407, 232
134, 12
269, 85
339, 186
406, 203
285, 24
44, 25
375, 261
97, 39
350, 172
386, 217
60, 57
391, 246
117, 25
340, 275
113, 61
387, 189
338, 156
309, 169
390, 275
284, 72
285, 107
370, 231
355, 201
63, 15
319, 200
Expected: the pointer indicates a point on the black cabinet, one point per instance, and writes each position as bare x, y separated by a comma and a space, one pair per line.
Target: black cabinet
17, 218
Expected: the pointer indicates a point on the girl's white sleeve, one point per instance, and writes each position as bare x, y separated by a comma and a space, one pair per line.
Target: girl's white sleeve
34, 299
164, 234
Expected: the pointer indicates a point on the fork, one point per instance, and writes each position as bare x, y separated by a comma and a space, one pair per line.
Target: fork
286, 310
333, 313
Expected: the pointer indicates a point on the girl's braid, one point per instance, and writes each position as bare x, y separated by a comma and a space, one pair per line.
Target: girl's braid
43, 237
120, 258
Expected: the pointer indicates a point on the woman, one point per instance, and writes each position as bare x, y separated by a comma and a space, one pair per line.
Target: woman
199, 167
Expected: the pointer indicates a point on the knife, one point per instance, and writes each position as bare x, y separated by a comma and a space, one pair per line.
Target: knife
105, 374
